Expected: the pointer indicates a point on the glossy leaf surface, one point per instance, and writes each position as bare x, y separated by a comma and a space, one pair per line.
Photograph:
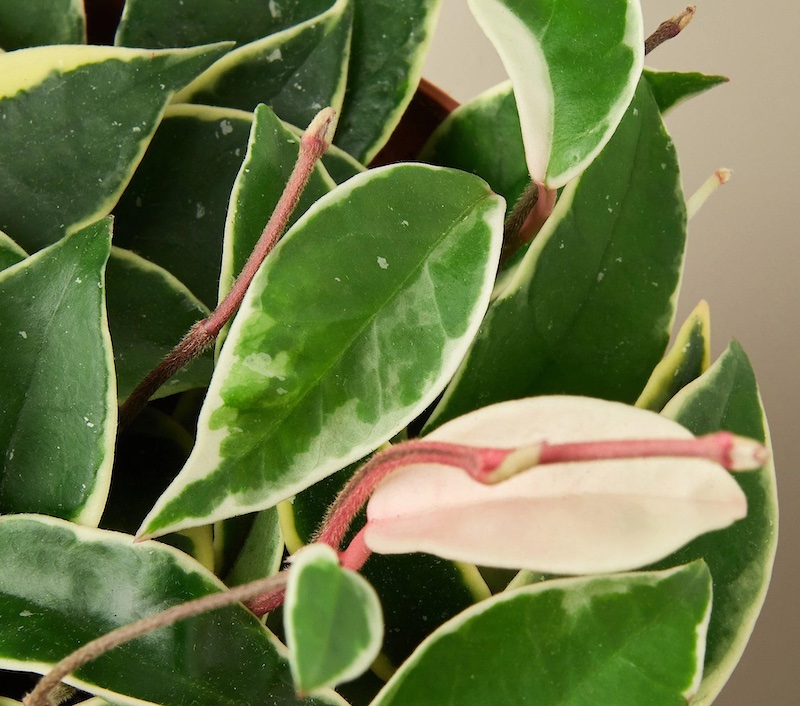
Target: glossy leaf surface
173, 211
333, 620
57, 392
297, 72
119, 94
740, 558
626, 640
316, 374
38, 22
272, 151
566, 322
671, 88
686, 361
390, 40
418, 592
160, 24
560, 518
574, 66
84, 583
484, 137
149, 312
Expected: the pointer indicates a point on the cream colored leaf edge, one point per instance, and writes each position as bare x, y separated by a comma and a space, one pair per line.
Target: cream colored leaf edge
205, 457
95, 503
564, 585
322, 554
715, 680
270, 47
182, 560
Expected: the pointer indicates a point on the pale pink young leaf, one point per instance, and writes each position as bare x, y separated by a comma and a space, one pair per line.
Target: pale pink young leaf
566, 518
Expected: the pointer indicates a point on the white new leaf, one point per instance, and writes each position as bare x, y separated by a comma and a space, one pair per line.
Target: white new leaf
565, 518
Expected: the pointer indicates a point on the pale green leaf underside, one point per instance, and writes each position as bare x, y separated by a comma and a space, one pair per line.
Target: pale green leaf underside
160, 24
626, 639
62, 585
297, 72
40, 22
617, 236
61, 173
332, 618
575, 66
149, 312
686, 361
172, 212
726, 397
317, 373
389, 44
57, 391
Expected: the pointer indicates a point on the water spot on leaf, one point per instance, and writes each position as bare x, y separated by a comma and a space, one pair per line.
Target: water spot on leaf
200, 211
275, 55
24, 334
226, 127
382, 263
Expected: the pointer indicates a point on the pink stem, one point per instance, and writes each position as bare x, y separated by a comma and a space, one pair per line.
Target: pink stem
492, 465
357, 552
539, 215
313, 144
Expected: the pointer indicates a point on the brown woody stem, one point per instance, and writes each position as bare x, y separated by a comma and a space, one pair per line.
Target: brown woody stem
126, 633
531, 210
669, 28
313, 144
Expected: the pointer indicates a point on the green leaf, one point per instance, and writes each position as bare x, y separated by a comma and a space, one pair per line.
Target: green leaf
740, 558
574, 66
160, 24
340, 165
390, 40
333, 620
565, 322
84, 583
377, 292
173, 213
418, 592
37, 22
484, 137
10, 252
627, 640
149, 312
57, 392
687, 360
296, 72
259, 552
272, 151
62, 174
671, 88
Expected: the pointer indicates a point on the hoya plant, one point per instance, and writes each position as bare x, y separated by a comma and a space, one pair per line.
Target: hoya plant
305, 402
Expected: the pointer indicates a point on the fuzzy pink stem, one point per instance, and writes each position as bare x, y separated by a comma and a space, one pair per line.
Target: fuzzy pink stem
357, 552
93, 649
313, 144
478, 463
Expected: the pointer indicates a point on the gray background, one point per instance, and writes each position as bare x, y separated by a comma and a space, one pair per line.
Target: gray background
744, 246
